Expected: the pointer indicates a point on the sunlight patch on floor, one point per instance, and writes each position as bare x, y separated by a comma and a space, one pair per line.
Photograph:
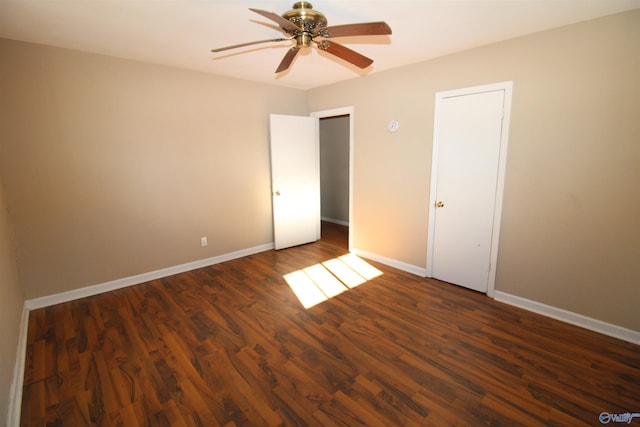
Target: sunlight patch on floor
319, 282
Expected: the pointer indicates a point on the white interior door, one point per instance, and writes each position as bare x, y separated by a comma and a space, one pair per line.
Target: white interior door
467, 144
295, 180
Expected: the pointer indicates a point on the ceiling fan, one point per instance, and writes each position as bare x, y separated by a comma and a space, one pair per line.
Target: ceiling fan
304, 24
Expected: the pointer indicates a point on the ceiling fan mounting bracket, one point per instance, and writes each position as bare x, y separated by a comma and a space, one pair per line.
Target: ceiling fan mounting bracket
323, 44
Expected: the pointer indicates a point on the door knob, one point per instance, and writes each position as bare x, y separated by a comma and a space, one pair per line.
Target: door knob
277, 193
440, 204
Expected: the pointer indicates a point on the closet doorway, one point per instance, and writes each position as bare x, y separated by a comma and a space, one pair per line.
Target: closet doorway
335, 145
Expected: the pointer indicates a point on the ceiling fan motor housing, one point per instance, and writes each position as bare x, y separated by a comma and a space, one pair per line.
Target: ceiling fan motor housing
304, 16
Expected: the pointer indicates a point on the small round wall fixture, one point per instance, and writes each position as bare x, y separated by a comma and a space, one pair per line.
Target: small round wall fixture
393, 126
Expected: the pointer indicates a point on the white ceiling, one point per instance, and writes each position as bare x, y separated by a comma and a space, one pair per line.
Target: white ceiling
181, 33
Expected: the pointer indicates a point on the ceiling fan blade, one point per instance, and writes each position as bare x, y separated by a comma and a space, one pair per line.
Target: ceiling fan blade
364, 29
220, 49
284, 23
345, 53
288, 59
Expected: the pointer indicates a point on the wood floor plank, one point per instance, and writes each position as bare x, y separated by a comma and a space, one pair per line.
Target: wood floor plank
231, 345
344, 411
335, 234
173, 414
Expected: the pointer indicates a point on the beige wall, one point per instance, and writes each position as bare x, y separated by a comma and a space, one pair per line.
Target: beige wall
114, 168
11, 302
570, 236
334, 168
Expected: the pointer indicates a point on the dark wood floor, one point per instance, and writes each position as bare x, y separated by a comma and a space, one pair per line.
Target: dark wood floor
231, 345
335, 234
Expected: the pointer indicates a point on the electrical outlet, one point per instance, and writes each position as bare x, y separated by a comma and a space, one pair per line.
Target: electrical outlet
203, 241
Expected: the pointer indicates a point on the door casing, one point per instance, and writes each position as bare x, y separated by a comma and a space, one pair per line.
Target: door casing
497, 217
342, 111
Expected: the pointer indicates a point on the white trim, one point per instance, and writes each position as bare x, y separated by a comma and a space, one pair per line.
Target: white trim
502, 167
504, 139
570, 317
341, 111
15, 392
140, 278
418, 271
335, 221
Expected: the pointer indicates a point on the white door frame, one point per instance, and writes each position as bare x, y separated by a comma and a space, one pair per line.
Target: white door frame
504, 139
341, 111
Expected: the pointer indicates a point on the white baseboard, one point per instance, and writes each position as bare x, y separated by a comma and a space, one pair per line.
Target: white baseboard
15, 392
419, 271
536, 307
570, 317
140, 278
335, 221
